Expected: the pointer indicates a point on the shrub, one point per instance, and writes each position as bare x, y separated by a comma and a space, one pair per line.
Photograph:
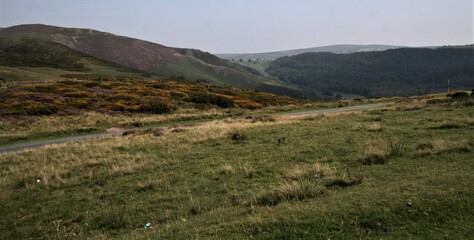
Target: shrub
238, 137
156, 106
459, 95
124, 96
213, 99
224, 102
38, 108
248, 104
79, 103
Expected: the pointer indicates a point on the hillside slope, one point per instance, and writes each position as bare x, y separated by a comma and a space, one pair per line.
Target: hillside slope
342, 48
402, 72
192, 65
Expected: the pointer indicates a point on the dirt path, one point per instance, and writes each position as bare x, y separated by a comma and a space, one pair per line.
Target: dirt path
119, 132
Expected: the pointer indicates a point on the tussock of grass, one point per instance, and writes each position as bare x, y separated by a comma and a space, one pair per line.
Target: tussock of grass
437, 146
378, 153
305, 182
146, 186
226, 169
396, 149
238, 137
374, 159
290, 191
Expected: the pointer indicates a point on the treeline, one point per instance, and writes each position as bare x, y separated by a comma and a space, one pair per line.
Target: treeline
397, 72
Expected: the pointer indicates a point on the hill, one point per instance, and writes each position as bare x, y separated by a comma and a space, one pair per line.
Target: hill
144, 56
395, 72
343, 48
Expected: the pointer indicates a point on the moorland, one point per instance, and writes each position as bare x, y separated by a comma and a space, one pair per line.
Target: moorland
215, 157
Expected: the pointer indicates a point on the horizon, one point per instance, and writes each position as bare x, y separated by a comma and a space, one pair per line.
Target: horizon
258, 26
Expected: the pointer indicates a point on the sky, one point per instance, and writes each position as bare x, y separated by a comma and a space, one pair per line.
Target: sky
247, 26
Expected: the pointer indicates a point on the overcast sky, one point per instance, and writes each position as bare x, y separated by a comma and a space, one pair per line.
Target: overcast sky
243, 26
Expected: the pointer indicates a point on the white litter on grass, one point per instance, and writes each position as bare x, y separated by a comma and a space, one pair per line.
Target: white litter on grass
38, 181
148, 225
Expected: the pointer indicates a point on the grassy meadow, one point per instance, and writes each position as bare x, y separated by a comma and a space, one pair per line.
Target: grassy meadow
260, 66
400, 172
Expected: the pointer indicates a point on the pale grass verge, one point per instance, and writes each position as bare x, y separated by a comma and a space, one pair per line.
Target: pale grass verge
91, 121
219, 129
408, 105
327, 115
53, 164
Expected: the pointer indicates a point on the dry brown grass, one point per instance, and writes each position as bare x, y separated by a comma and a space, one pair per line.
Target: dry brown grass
313, 171
438, 145
44, 126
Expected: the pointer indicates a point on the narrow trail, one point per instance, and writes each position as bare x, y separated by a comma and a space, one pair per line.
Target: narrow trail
39, 143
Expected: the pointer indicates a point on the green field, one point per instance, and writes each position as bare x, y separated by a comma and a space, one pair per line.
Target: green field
260, 66
399, 172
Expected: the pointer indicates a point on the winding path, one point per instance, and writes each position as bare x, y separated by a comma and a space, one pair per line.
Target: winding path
39, 143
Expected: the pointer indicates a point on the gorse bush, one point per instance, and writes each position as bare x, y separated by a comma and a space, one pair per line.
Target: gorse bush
213, 99
127, 96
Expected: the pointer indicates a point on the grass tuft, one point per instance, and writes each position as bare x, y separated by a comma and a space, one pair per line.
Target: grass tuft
226, 169
291, 191
238, 137
374, 159
342, 183
397, 149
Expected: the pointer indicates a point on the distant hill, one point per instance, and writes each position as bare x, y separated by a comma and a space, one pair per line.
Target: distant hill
396, 72
37, 59
345, 48
139, 55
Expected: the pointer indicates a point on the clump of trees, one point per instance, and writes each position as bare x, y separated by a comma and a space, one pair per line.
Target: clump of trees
396, 72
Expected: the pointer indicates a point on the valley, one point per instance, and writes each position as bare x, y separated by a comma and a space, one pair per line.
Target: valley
104, 136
